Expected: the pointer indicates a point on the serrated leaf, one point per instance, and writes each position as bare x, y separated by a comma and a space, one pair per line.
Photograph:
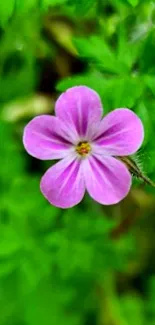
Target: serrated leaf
115, 92
99, 53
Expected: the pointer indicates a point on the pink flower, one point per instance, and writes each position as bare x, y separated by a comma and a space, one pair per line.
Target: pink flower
87, 146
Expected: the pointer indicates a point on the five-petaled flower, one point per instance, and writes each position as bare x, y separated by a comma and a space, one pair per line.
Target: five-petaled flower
88, 147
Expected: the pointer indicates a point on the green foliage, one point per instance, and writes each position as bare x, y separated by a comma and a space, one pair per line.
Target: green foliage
115, 92
82, 7
134, 2
10, 7
6, 10
96, 51
17, 64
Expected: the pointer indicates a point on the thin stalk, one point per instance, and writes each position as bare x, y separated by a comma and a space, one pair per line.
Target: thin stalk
135, 170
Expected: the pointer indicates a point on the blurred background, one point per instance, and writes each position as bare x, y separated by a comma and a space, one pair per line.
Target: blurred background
89, 265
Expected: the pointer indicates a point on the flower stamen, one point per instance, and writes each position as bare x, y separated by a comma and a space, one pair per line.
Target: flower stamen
83, 148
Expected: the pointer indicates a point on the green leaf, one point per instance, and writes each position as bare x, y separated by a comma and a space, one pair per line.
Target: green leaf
8, 149
147, 59
10, 7
123, 92
143, 113
51, 3
133, 309
10, 242
24, 6
128, 57
17, 64
134, 3
82, 7
150, 83
115, 92
6, 10
93, 80
46, 305
7, 267
98, 52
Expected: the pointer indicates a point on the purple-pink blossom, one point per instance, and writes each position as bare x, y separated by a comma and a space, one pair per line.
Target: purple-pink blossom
88, 147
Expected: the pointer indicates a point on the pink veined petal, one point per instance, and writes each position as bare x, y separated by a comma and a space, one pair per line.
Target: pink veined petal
46, 138
81, 109
63, 183
107, 179
120, 133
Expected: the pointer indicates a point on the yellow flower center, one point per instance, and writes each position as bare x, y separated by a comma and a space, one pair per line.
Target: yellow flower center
83, 148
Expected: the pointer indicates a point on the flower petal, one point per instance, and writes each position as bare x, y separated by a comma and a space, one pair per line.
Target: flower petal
120, 133
107, 179
63, 183
45, 138
81, 108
